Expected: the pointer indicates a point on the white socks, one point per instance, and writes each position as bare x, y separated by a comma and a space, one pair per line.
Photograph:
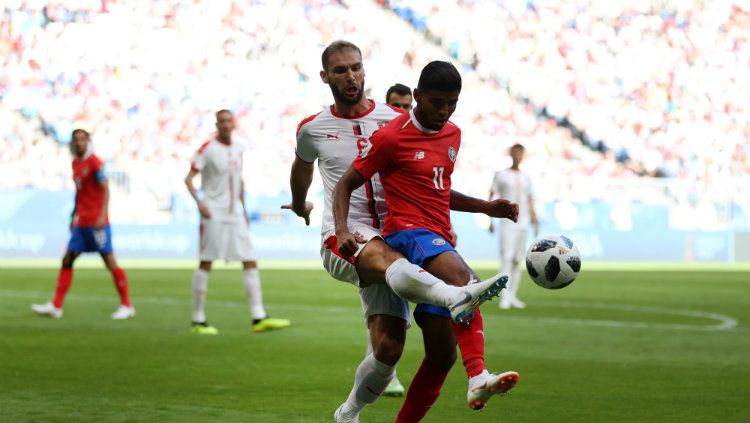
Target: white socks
370, 380
200, 287
416, 285
251, 281
513, 270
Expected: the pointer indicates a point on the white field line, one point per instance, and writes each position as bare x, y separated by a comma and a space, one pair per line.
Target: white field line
723, 323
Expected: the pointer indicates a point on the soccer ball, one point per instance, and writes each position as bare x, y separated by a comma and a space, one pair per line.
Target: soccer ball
553, 261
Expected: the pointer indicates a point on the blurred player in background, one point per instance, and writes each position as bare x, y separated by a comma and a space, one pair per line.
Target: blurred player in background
399, 95
514, 185
224, 224
89, 227
386, 280
414, 155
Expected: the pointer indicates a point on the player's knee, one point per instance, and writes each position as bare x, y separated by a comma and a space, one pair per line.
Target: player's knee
67, 261
388, 350
205, 265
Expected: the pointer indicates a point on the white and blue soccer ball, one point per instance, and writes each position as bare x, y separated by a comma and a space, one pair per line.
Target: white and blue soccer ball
553, 261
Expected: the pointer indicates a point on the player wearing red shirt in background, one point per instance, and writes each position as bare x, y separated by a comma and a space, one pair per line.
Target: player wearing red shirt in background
90, 229
414, 155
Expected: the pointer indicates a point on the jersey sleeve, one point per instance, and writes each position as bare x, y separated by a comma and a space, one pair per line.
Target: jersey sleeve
375, 155
306, 147
199, 160
98, 169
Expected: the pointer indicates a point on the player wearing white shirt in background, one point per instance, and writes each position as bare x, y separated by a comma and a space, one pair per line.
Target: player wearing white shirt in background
514, 185
224, 224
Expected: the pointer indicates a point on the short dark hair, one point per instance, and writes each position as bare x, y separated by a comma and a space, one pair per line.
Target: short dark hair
335, 47
517, 147
223, 111
399, 89
79, 130
441, 76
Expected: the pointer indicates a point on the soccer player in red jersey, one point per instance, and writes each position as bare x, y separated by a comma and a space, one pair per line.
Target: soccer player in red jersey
414, 155
90, 229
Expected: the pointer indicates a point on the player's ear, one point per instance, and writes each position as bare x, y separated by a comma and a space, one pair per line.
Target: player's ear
417, 95
324, 76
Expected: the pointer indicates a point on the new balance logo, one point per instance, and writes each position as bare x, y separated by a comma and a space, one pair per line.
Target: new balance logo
334, 136
419, 155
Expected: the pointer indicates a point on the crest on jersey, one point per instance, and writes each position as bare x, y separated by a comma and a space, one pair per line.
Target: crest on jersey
452, 154
85, 172
382, 123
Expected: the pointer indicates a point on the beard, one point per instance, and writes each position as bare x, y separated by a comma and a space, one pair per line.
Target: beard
349, 101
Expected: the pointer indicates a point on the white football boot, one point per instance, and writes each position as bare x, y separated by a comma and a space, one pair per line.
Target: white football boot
47, 309
123, 312
340, 417
473, 295
484, 386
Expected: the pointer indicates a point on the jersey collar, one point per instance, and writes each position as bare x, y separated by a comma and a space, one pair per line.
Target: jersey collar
359, 116
419, 125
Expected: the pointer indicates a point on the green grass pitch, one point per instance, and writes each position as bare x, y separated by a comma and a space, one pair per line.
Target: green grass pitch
615, 346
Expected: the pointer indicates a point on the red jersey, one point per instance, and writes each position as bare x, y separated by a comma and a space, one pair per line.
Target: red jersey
415, 166
87, 173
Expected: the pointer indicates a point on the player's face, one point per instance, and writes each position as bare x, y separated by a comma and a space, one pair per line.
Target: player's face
516, 154
225, 124
79, 144
435, 107
402, 101
345, 76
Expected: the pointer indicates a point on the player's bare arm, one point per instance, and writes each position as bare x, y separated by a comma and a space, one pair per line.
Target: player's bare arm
194, 193
492, 223
532, 213
300, 181
101, 220
347, 242
242, 201
500, 208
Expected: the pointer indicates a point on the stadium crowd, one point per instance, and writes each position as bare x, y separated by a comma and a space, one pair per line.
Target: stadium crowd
650, 91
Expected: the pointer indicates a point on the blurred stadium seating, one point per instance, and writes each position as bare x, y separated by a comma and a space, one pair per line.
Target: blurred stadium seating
619, 103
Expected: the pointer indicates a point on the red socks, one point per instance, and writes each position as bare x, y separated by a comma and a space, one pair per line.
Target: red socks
423, 392
121, 283
471, 343
64, 278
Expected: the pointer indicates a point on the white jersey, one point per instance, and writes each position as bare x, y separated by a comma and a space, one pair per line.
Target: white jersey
220, 166
514, 186
335, 141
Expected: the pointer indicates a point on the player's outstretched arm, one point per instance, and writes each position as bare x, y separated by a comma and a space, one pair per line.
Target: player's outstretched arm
495, 208
342, 194
300, 181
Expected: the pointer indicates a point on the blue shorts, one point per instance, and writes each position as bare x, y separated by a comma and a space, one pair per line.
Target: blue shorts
418, 245
88, 239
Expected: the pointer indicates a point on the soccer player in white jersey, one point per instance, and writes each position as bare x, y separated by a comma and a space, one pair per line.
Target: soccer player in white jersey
224, 224
514, 185
334, 137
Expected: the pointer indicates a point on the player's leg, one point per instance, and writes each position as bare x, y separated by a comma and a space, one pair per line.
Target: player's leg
450, 266
64, 279
507, 247
514, 281
125, 310
394, 388
377, 369
251, 281
377, 262
440, 354
199, 323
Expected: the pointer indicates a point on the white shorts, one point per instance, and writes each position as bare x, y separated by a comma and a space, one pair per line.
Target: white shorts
513, 242
375, 298
227, 240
